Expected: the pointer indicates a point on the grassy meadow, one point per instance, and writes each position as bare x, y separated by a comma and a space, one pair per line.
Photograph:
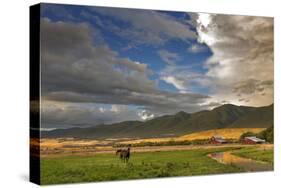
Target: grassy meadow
256, 153
85, 160
105, 167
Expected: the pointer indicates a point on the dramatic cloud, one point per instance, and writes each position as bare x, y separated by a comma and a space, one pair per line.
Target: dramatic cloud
242, 58
251, 86
101, 65
78, 69
240, 71
168, 57
145, 26
70, 63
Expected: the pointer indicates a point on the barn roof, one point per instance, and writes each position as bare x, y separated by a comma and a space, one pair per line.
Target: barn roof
219, 138
255, 139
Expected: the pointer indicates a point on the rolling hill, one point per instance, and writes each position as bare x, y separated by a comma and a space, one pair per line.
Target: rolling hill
179, 124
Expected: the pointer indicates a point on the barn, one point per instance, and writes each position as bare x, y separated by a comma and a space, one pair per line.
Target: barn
252, 140
217, 140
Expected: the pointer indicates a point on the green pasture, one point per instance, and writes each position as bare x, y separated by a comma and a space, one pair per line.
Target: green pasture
107, 167
256, 153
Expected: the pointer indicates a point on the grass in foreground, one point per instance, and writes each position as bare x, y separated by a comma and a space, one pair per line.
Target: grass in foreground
256, 153
104, 167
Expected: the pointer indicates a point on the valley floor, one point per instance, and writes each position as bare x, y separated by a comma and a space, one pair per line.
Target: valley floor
163, 161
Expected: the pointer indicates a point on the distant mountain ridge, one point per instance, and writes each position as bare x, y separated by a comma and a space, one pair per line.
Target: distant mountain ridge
225, 116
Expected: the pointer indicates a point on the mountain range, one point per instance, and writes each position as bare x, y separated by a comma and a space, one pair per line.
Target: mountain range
181, 123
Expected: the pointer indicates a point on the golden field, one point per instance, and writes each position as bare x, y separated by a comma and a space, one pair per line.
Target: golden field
228, 133
73, 146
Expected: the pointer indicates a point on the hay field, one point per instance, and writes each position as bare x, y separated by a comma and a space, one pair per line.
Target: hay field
227, 133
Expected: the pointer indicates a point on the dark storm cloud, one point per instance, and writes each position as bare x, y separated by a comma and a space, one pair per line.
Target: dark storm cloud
76, 68
71, 63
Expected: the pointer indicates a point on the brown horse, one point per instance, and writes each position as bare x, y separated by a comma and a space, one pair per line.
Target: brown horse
124, 154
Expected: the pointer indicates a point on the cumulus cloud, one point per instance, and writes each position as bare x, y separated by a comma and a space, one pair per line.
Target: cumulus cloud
85, 82
251, 86
78, 69
70, 63
242, 58
168, 57
240, 71
145, 115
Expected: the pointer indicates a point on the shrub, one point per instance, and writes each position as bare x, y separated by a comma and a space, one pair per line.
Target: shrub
247, 134
267, 135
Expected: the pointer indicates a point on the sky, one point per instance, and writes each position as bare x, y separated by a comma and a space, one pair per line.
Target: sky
105, 65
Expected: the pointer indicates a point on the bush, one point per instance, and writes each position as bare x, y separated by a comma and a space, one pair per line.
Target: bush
267, 134
247, 134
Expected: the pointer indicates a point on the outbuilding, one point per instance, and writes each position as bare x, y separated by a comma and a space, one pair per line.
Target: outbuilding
217, 140
252, 140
